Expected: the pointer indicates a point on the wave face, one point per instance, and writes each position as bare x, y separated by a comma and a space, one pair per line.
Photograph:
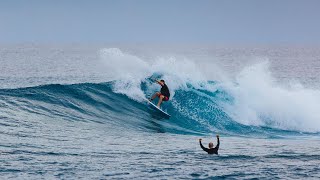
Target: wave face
252, 104
206, 111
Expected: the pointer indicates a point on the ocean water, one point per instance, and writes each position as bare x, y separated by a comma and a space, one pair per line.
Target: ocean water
78, 112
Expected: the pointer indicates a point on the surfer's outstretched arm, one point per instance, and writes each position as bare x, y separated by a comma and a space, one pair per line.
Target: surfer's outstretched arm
159, 82
203, 148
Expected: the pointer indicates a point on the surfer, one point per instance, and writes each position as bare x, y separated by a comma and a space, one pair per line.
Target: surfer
211, 150
164, 93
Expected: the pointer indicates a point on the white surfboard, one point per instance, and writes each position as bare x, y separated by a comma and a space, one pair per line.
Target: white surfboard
157, 109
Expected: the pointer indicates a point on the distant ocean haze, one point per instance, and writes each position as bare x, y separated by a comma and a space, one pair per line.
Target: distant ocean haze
30, 65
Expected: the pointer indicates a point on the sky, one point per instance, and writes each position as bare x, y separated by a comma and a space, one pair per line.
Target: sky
160, 21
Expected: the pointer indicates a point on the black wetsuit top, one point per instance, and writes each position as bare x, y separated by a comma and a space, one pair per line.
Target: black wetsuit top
165, 91
212, 150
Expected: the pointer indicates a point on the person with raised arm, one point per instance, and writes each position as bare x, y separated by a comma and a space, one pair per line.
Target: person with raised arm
211, 149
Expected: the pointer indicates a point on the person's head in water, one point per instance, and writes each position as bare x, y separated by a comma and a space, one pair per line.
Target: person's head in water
210, 145
162, 82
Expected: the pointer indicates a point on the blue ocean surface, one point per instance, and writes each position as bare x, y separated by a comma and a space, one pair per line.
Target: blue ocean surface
79, 112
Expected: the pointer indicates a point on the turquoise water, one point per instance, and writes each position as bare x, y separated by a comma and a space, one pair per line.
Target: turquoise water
75, 113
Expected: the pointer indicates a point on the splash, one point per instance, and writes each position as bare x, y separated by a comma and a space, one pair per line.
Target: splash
259, 99
129, 71
253, 98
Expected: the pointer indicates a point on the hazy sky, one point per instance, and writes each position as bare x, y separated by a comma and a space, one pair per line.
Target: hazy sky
161, 21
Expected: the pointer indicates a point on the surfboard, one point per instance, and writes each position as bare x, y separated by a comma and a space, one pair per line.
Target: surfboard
158, 110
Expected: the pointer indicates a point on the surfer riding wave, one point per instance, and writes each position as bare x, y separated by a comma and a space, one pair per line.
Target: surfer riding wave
164, 93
